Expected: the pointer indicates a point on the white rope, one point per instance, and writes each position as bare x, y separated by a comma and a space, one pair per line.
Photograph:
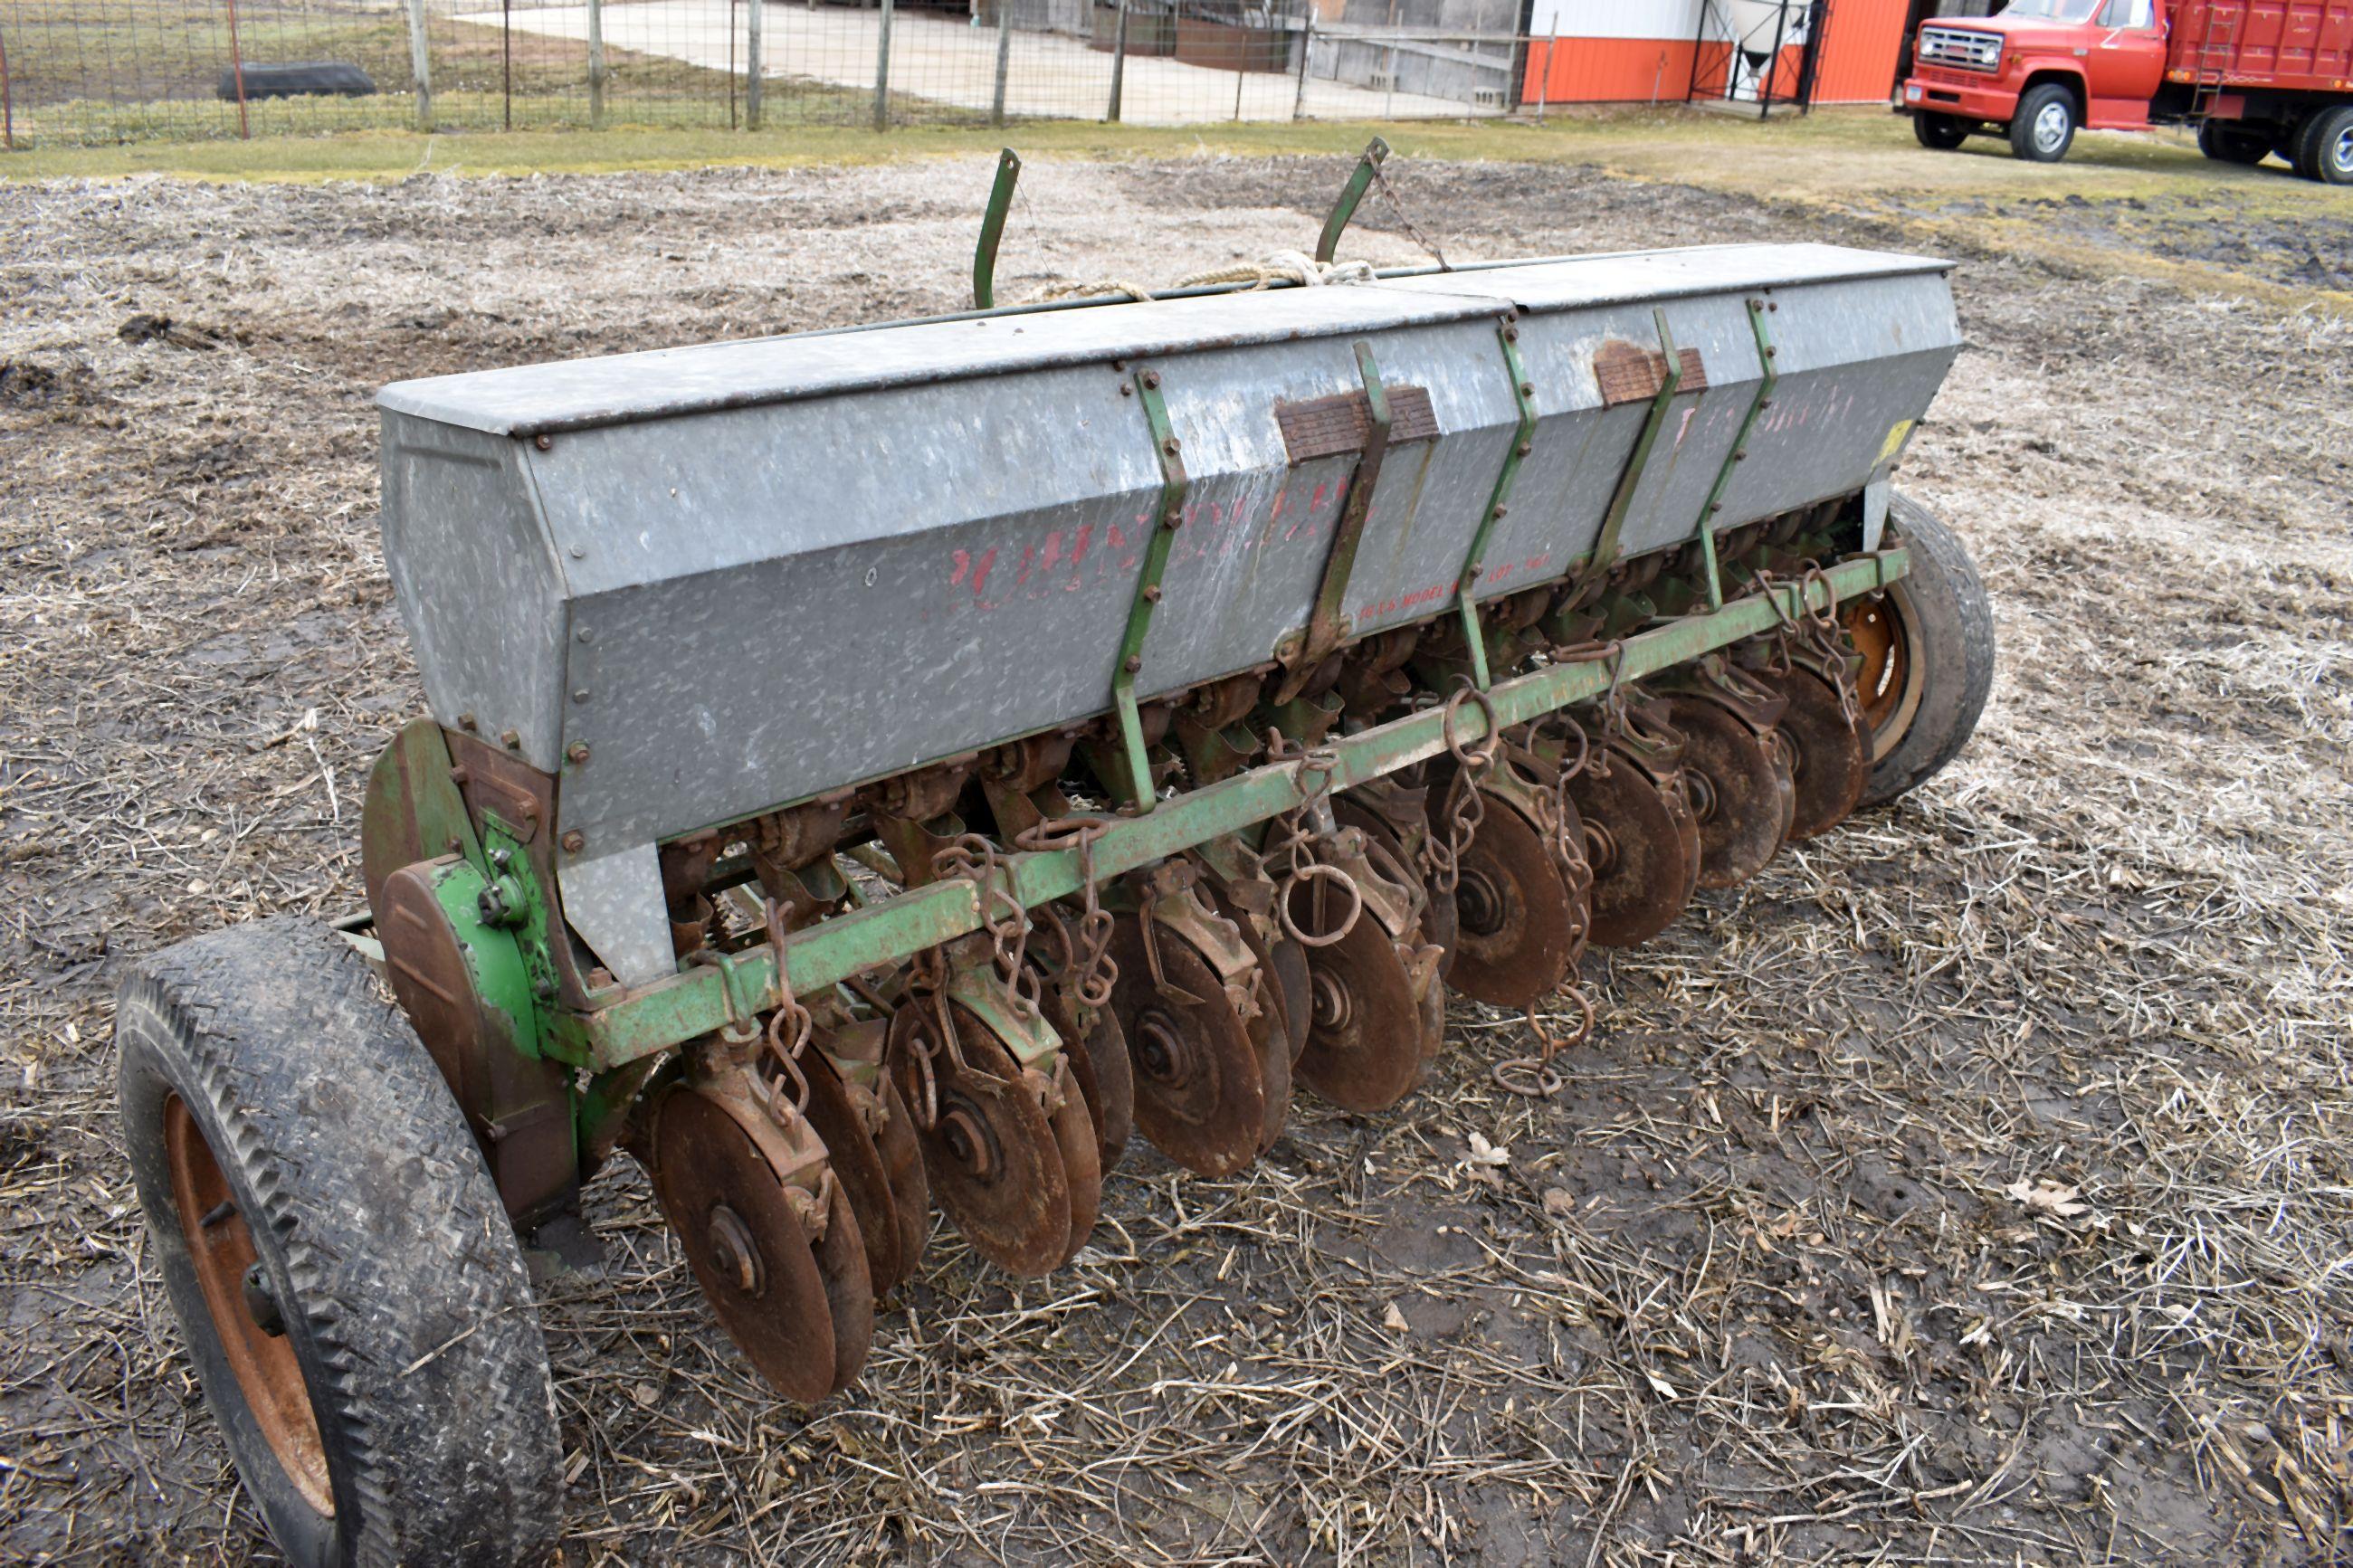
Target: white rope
1281, 267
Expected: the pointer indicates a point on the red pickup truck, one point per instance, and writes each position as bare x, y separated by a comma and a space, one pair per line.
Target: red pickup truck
2256, 76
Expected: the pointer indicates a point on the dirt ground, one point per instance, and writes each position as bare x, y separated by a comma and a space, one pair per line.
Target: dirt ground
1972, 1188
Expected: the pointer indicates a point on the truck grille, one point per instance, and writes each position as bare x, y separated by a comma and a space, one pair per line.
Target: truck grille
1960, 49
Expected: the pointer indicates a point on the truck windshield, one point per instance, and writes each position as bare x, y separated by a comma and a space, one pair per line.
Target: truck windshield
2054, 10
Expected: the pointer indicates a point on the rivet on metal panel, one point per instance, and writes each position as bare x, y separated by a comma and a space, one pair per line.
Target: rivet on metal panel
587, 635
466, 721
580, 695
543, 442
510, 739
1763, 401
578, 751
579, 552
575, 842
1523, 395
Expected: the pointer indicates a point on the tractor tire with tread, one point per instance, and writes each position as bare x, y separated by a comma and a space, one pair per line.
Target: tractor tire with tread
1939, 132
2043, 125
1947, 623
2225, 141
2324, 146
348, 1285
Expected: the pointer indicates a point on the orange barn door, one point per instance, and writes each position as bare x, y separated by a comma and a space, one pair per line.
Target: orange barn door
1859, 49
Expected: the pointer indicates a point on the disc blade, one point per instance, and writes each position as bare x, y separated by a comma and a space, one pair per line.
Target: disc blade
1438, 916
849, 1291
1833, 761
1270, 1038
749, 1252
1644, 848
1200, 1097
902, 1163
1743, 798
1289, 959
990, 1154
1074, 1137
1099, 1063
1364, 1037
843, 1125
1519, 923
1112, 1106
1270, 1032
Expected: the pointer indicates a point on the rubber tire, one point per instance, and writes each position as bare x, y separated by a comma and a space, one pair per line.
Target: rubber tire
2313, 142
1947, 623
1938, 132
2030, 107
384, 1241
2225, 141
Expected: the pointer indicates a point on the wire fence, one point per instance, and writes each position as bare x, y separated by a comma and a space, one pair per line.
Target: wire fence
95, 71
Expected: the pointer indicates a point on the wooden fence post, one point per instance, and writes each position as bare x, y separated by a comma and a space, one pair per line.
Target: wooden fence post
420, 65
237, 65
1003, 60
1118, 63
595, 65
754, 13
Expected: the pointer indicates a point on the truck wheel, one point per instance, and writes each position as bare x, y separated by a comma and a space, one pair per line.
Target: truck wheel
1928, 656
1939, 132
347, 1284
2325, 149
2228, 144
2044, 126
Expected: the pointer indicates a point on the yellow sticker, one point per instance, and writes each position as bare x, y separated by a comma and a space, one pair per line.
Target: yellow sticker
1894, 442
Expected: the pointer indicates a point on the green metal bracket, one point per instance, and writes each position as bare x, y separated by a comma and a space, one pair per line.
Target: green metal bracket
1166, 522
1524, 393
1621, 500
518, 903
1763, 400
1360, 180
992, 230
1327, 625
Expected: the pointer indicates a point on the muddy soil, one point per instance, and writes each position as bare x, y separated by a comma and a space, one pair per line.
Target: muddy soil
1973, 1186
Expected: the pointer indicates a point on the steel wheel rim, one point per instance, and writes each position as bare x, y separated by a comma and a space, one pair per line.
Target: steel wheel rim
1889, 687
2341, 155
268, 1378
2051, 126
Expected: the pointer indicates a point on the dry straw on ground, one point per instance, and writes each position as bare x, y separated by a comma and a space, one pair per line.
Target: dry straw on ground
1972, 1188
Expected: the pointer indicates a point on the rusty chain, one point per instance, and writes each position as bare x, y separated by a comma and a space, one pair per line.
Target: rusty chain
1464, 808
1818, 629
973, 858
1094, 971
1293, 843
